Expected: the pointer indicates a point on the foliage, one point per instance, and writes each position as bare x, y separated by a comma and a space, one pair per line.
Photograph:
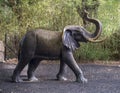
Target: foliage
18, 16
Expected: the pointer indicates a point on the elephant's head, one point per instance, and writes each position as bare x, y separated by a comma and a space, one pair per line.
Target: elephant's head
72, 35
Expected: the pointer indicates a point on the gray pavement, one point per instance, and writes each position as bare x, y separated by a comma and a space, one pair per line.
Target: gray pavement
101, 79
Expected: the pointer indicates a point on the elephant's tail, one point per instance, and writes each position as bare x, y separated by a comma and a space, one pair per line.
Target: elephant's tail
19, 50
19, 54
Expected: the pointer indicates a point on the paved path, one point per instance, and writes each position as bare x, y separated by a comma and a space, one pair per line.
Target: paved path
102, 79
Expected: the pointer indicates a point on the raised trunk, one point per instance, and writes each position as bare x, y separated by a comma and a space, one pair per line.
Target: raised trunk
98, 25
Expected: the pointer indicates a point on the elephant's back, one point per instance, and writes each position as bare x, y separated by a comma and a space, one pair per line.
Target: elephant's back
46, 34
51, 38
49, 43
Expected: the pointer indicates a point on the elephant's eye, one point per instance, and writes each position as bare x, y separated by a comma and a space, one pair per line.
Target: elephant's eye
78, 33
77, 36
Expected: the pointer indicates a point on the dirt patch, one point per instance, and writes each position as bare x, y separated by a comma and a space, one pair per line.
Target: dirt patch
97, 62
12, 61
106, 63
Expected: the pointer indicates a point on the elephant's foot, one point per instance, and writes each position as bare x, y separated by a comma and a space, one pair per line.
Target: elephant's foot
16, 79
81, 79
32, 79
61, 78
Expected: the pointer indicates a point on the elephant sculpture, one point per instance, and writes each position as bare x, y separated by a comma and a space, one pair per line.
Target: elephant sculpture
39, 44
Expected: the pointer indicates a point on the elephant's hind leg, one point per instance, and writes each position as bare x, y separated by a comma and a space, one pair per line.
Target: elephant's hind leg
31, 69
16, 74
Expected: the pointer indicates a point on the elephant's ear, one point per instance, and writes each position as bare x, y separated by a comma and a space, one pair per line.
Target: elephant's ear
69, 41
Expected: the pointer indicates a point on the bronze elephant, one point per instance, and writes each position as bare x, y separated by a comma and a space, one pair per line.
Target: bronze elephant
39, 44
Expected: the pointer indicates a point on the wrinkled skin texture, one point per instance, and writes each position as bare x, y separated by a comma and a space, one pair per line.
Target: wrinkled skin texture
39, 44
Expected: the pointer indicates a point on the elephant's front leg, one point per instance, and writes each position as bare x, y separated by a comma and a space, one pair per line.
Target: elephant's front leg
62, 70
70, 61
